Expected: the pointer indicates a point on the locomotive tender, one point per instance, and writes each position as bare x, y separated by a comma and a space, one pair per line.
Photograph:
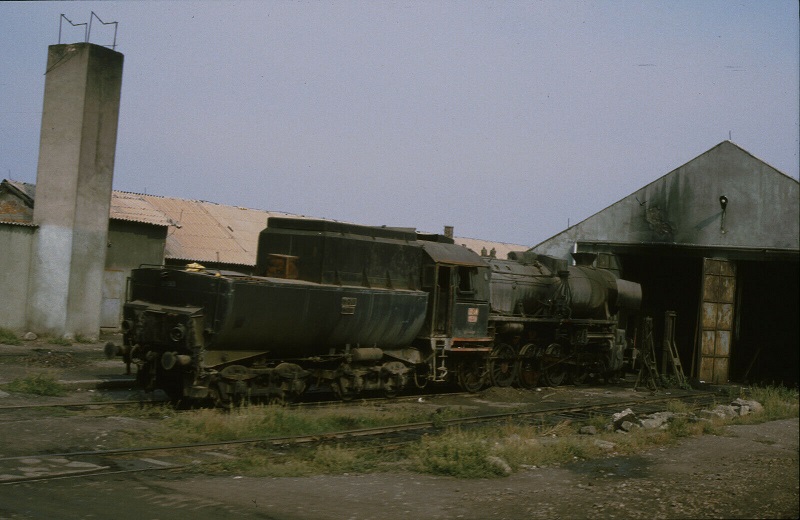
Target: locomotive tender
362, 308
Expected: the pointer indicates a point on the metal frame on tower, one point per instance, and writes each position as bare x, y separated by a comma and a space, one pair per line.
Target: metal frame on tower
87, 31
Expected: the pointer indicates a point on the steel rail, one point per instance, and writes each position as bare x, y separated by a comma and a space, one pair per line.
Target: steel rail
81, 404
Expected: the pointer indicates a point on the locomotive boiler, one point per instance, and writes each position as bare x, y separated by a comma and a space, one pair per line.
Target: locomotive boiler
356, 308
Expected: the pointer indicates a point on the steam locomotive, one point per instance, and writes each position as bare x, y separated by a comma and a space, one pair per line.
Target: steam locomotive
357, 308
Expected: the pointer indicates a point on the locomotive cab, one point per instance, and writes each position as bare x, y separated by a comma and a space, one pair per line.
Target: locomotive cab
456, 329
458, 283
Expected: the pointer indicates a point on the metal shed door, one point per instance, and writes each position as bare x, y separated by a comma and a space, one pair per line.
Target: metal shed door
716, 319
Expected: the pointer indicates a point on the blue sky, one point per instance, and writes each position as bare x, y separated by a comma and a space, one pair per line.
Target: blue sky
507, 120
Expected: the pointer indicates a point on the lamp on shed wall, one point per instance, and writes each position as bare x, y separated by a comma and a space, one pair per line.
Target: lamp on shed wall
723, 203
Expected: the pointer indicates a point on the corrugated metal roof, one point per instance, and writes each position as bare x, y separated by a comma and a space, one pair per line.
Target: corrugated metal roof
20, 224
135, 208
208, 232
16, 205
197, 235
501, 249
203, 231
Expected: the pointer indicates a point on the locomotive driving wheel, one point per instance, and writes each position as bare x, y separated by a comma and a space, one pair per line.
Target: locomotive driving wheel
553, 370
470, 375
579, 375
528, 366
501, 365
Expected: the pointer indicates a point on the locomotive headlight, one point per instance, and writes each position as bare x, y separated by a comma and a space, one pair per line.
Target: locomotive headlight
177, 333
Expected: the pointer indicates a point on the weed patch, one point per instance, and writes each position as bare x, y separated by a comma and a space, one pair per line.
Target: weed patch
8, 337
38, 384
456, 454
266, 421
61, 342
779, 403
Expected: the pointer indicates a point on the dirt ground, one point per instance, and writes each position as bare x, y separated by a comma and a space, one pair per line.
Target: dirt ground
751, 472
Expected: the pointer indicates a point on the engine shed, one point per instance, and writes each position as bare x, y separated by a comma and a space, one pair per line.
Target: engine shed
717, 242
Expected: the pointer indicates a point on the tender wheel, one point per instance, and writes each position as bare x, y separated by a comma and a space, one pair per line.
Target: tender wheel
219, 396
528, 367
501, 365
290, 383
390, 392
553, 370
470, 376
343, 389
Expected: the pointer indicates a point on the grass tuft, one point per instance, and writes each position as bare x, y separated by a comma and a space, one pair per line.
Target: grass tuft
8, 337
267, 421
457, 454
38, 384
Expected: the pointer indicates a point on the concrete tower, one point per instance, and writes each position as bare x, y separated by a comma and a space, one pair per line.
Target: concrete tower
73, 188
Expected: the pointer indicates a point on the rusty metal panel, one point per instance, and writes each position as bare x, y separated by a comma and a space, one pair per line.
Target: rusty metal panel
706, 369
716, 319
709, 315
722, 343
710, 287
727, 289
727, 269
709, 341
720, 368
724, 316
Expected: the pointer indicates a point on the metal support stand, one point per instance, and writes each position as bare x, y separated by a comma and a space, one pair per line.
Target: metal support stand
670, 349
648, 373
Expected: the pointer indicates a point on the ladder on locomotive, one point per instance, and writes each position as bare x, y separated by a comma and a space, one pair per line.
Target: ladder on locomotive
671, 349
440, 347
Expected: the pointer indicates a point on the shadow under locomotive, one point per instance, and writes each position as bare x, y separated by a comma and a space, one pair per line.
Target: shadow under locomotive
361, 308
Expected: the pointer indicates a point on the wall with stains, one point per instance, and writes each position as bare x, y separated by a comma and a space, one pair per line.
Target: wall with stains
15, 244
683, 208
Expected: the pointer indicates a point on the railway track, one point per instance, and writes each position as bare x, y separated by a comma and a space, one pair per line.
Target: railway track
81, 405
100, 463
315, 401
